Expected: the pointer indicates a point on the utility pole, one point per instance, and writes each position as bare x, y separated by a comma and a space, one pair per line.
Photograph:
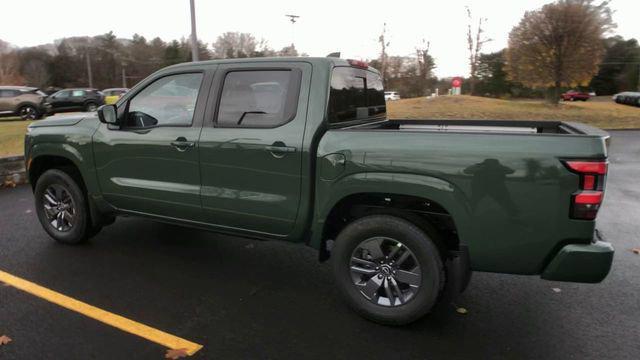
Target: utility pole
124, 76
194, 37
293, 19
89, 74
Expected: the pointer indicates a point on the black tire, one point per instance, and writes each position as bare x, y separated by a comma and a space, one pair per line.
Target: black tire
79, 228
90, 107
29, 112
422, 248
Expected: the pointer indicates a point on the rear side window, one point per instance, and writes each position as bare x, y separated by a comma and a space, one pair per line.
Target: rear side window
6, 93
259, 98
78, 93
355, 95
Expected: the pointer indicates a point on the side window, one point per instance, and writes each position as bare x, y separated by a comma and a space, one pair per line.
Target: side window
168, 101
78, 93
356, 94
62, 94
259, 98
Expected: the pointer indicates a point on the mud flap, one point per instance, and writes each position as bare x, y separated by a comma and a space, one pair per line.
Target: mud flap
458, 270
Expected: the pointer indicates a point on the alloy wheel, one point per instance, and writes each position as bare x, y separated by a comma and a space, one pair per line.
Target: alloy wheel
28, 113
59, 207
385, 271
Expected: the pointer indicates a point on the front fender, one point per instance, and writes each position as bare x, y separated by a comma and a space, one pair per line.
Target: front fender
446, 194
78, 152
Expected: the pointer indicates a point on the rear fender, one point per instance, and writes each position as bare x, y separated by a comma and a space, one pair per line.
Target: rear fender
446, 194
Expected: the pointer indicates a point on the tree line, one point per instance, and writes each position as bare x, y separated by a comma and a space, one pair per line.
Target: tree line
105, 61
564, 44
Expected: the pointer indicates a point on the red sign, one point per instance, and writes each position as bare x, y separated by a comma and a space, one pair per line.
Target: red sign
456, 82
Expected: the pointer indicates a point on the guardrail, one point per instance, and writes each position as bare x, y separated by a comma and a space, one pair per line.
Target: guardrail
12, 171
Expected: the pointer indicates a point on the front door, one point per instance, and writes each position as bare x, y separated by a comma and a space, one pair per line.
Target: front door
150, 164
60, 101
251, 147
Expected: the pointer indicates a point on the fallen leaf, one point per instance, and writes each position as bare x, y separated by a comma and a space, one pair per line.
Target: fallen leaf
636, 251
461, 310
556, 290
4, 340
9, 184
176, 354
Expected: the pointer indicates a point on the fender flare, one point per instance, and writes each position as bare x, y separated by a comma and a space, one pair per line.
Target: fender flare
446, 194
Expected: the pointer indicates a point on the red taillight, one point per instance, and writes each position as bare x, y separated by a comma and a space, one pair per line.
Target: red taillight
588, 167
586, 202
358, 63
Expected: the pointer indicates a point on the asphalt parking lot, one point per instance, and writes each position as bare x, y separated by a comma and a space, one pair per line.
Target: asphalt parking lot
245, 299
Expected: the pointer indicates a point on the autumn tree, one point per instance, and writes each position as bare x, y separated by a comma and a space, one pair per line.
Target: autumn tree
10, 69
560, 44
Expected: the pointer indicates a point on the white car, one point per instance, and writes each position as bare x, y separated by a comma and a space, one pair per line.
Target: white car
391, 95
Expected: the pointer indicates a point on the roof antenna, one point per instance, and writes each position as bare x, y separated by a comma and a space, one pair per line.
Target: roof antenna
334, 54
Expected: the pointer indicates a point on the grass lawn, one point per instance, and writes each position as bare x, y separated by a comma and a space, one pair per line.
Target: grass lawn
12, 132
604, 114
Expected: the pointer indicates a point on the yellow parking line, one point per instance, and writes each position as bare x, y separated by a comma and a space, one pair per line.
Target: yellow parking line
117, 321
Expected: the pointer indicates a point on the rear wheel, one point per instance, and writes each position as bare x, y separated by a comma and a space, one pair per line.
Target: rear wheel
62, 208
388, 269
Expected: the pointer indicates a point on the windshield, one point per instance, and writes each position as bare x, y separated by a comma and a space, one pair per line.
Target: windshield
356, 95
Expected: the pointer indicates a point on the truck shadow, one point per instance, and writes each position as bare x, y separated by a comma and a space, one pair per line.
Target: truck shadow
272, 299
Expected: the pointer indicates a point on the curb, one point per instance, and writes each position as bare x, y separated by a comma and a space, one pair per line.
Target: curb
12, 171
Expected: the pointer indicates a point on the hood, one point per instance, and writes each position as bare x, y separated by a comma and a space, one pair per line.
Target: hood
60, 120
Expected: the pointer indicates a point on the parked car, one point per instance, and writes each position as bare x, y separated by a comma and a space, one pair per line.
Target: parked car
627, 98
26, 102
391, 95
111, 96
573, 95
81, 99
404, 209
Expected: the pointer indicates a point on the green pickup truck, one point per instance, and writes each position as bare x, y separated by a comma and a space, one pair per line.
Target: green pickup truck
301, 150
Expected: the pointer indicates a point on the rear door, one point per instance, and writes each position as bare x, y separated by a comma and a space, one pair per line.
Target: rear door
250, 147
150, 164
6, 100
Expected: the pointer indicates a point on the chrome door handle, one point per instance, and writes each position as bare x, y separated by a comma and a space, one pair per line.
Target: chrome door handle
280, 149
182, 144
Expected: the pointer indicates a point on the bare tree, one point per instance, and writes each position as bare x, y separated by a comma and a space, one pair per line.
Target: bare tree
559, 44
426, 64
240, 45
474, 43
384, 58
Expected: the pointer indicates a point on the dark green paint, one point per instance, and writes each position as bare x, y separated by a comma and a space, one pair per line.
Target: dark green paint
508, 194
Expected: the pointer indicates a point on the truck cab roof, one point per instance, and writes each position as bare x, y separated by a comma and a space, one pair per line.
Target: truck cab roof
316, 61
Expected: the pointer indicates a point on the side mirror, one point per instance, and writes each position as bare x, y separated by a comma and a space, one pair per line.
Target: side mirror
108, 114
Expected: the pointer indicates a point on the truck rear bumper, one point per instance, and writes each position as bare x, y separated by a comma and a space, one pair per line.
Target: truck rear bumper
585, 263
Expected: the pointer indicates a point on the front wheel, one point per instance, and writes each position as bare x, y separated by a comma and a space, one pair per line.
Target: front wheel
28, 112
62, 208
90, 107
387, 269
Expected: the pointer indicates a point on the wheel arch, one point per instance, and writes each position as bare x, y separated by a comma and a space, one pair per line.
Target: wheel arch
435, 205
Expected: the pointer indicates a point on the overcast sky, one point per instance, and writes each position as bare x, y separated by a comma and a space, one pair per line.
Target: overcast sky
324, 26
